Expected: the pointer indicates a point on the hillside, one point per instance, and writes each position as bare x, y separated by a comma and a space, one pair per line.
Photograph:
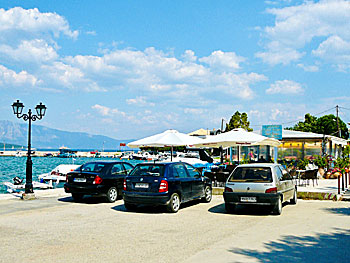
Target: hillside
43, 137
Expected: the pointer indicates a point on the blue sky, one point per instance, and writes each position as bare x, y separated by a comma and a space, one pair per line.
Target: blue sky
129, 69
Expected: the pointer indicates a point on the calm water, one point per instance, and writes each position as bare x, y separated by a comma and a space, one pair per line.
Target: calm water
16, 166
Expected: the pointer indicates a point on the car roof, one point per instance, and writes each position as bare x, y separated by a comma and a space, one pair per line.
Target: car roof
161, 163
258, 165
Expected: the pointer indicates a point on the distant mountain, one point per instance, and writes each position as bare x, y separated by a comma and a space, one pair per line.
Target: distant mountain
47, 138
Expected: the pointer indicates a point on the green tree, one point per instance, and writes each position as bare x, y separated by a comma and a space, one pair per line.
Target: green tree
326, 124
238, 120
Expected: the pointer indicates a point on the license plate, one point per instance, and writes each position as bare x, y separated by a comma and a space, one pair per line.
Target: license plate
141, 185
248, 199
80, 180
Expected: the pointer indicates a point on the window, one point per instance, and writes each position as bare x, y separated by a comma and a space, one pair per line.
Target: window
278, 173
128, 167
148, 170
285, 174
179, 171
192, 171
92, 167
117, 169
251, 174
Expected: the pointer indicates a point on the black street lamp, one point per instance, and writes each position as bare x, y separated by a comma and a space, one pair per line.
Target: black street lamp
40, 110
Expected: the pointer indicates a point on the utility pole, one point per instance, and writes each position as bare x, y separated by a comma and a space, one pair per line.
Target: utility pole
337, 109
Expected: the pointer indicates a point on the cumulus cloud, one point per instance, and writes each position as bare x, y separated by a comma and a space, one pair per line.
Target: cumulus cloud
34, 22
324, 24
140, 101
33, 51
106, 111
223, 60
11, 78
285, 87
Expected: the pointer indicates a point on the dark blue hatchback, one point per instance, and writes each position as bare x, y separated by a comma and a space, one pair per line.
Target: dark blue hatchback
167, 184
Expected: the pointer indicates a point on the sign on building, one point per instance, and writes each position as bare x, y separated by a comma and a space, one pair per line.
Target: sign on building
272, 131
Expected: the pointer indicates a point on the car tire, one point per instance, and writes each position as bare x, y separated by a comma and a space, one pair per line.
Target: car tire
230, 208
294, 200
207, 194
77, 197
174, 203
112, 194
277, 209
129, 207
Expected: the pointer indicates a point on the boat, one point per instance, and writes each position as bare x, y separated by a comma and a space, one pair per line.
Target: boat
18, 185
58, 174
66, 153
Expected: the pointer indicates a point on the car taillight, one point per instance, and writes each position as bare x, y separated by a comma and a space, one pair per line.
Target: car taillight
98, 180
124, 185
67, 178
272, 190
228, 189
163, 187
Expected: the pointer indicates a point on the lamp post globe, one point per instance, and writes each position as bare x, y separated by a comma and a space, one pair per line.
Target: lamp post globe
40, 110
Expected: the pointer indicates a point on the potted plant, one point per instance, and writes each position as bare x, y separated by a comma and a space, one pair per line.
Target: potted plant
321, 162
302, 163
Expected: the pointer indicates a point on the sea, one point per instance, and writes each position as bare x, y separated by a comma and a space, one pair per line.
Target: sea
16, 166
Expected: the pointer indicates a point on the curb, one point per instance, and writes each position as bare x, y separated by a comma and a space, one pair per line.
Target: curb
301, 195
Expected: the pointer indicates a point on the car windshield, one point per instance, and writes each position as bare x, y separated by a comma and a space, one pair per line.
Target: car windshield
92, 167
251, 174
148, 170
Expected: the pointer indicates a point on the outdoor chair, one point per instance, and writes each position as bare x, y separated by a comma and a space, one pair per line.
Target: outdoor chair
310, 175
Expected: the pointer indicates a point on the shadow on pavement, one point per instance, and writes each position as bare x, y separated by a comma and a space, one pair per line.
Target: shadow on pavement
330, 247
242, 210
86, 200
153, 209
341, 211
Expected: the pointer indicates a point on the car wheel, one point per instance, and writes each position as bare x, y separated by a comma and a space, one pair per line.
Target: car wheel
174, 204
294, 200
277, 210
112, 194
77, 197
207, 194
129, 206
230, 208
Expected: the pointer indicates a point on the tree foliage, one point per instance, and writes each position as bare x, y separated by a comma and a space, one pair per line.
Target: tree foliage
238, 120
326, 124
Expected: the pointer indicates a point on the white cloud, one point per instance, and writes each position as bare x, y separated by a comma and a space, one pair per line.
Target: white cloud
189, 56
309, 23
11, 78
106, 111
310, 68
140, 101
34, 22
33, 51
194, 111
69, 77
285, 87
223, 60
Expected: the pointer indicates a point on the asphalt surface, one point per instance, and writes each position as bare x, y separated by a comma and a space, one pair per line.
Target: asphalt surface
55, 229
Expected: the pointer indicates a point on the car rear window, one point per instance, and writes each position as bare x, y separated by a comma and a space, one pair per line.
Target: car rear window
251, 174
148, 170
92, 167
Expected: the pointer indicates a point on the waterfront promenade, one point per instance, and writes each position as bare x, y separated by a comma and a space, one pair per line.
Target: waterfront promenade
55, 229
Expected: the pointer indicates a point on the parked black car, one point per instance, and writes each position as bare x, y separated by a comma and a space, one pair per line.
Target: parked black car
98, 178
167, 184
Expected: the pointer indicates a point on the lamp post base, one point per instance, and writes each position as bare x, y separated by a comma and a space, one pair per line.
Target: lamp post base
28, 196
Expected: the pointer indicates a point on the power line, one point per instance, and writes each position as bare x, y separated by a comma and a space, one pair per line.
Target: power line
344, 108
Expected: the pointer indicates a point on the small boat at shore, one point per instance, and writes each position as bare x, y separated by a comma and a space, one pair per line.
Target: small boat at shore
58, 174
19, 186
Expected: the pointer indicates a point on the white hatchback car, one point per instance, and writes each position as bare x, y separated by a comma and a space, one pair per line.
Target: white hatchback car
259, 184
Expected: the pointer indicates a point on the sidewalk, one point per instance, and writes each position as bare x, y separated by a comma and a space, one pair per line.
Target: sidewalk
325, 189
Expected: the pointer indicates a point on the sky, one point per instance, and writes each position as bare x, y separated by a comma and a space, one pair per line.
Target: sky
130, 69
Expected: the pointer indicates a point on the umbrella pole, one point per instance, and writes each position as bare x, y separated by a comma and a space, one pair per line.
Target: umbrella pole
171, 154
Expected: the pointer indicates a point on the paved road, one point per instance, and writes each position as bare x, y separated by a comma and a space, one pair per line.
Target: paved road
58, 230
